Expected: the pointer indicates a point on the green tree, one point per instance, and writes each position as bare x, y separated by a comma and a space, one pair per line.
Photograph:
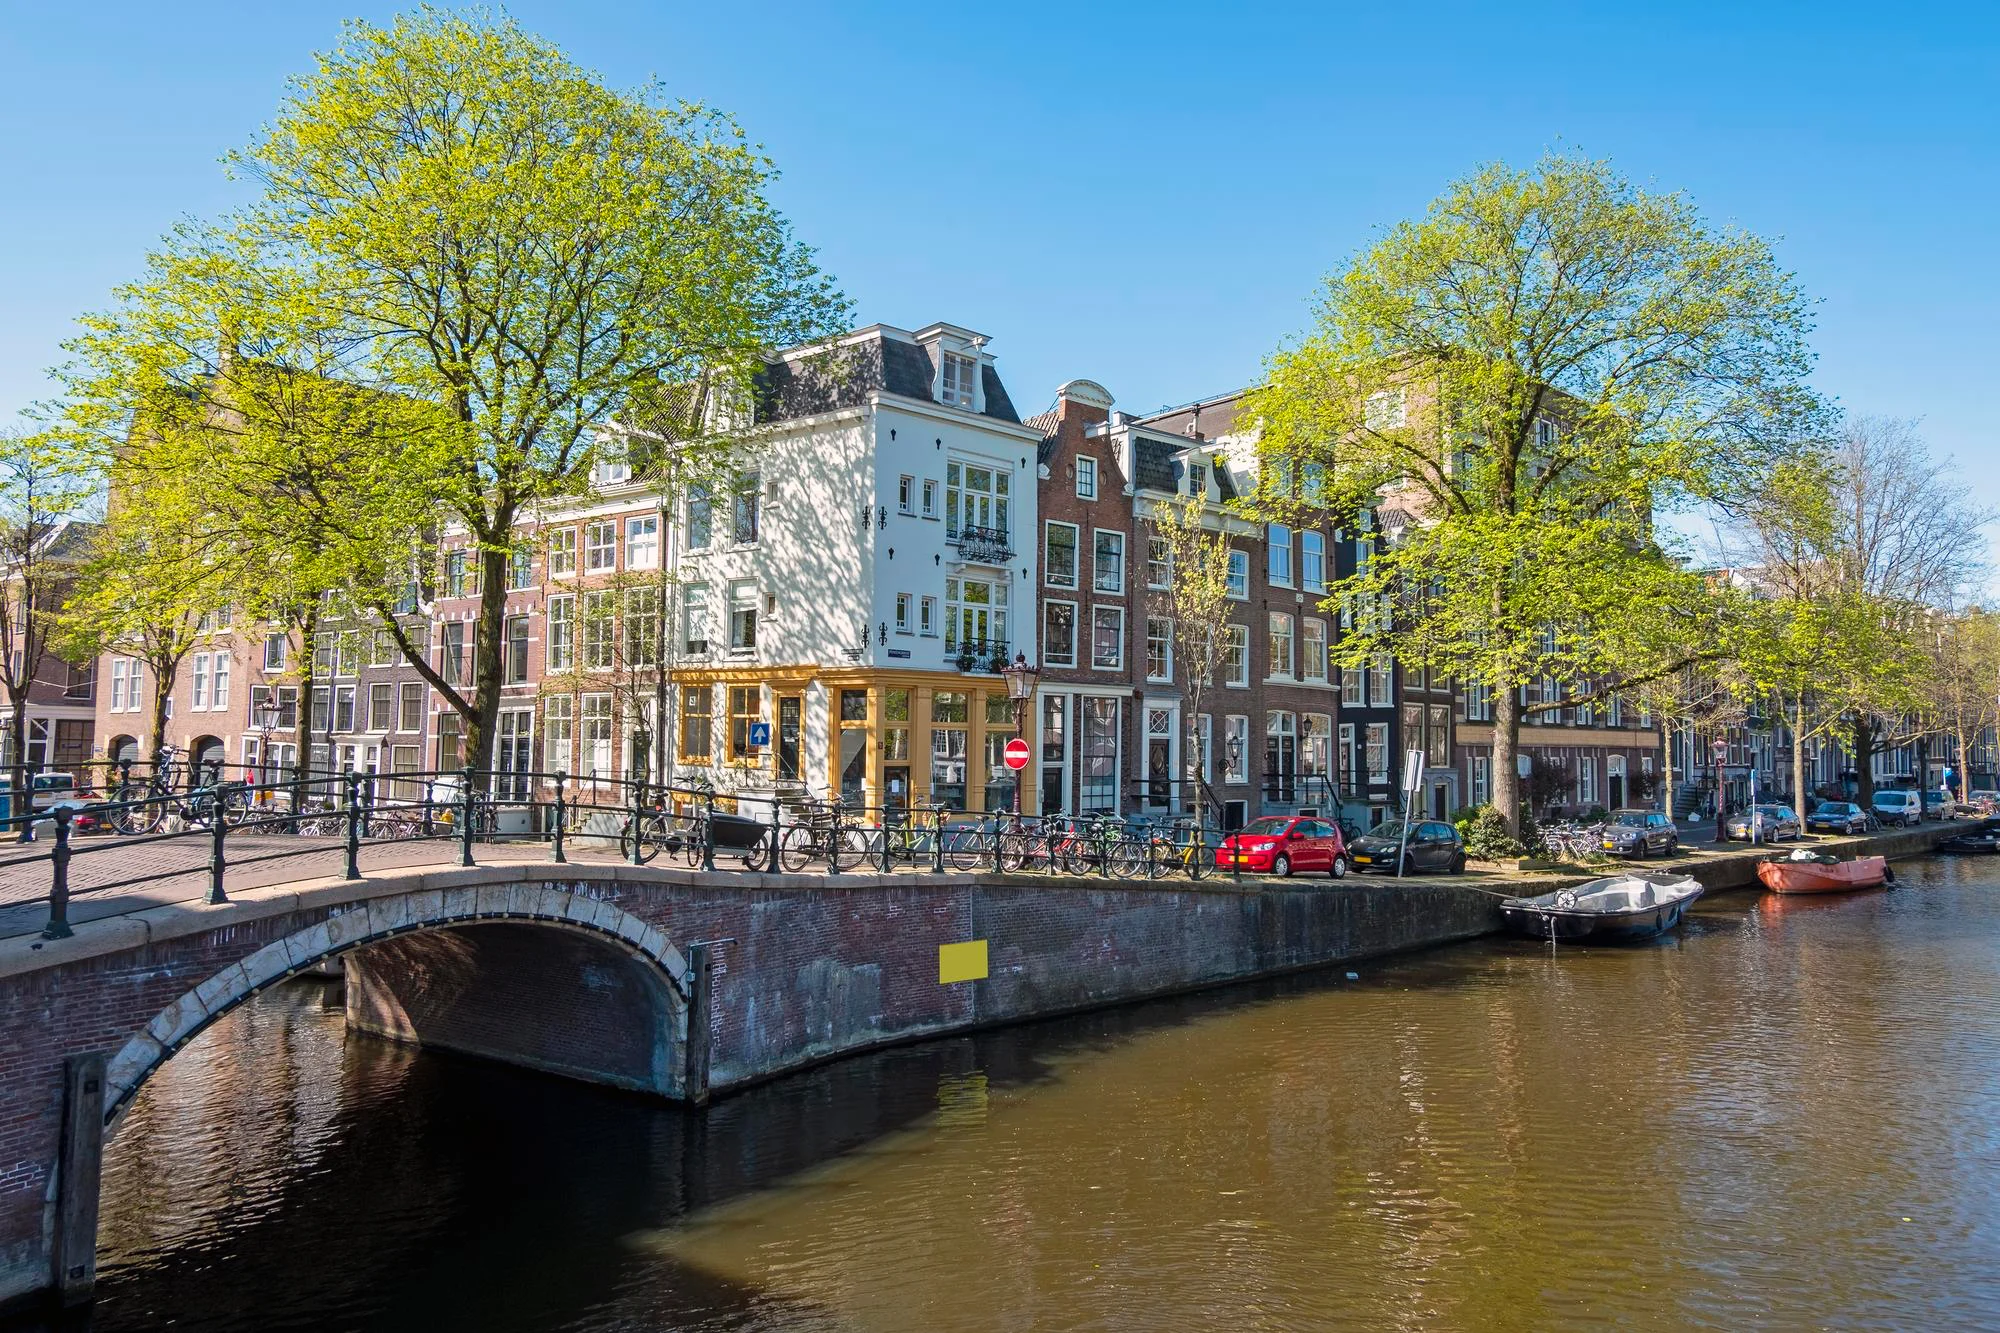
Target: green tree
45, 485
1194, 536
1528, 374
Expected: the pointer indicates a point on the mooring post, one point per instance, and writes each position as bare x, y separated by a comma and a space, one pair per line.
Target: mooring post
353, 825
58, 927
776, 813
708, 831
74, 1254
556, 853
701, 1000
465, 815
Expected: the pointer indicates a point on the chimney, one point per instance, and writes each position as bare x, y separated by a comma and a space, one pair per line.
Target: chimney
1194, 422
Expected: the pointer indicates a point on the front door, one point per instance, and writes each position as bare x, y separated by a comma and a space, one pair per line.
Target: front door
790, 710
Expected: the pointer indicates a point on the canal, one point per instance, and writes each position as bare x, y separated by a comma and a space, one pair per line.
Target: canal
1783, 1118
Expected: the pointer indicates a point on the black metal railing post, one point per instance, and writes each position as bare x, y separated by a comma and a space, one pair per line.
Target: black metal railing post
937, 841
218, 861
556, 852
353, 781
465, 816
882, 818
58, 927
1236, 857
772, 863
997, 866
708, 831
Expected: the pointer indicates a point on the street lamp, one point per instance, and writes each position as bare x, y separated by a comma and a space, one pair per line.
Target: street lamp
1021, 679
265, 718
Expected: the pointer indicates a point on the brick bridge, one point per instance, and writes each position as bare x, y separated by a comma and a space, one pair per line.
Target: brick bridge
671, 983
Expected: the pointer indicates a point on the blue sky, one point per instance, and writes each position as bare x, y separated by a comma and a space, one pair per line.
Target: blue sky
1145, 195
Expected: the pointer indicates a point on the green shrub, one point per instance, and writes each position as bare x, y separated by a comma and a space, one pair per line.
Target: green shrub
1486, 836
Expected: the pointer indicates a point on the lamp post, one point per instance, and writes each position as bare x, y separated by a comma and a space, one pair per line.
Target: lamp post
1021, 679
265, 718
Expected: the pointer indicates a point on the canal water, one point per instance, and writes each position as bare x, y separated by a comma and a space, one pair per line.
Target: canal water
1783, 1118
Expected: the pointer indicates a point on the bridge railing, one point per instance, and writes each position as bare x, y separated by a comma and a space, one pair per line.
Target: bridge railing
150, 832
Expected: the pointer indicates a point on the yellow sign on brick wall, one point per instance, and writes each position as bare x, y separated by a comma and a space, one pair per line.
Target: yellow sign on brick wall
962, 962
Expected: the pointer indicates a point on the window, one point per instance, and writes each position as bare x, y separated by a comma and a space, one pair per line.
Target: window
700, 518
1546, 433
1086, 478
1278, 539
1381, 683
697, 722
1107, 638
1345, 757
1312, 561
1198, 480
956, 381
558, 729
221, 696
1108, 562
274, 652
896, 728
600, 547
975, 615
562, 633
1059, 555
381, 707
930, 499
974, 497
1586, 779
117, 684
642, 542
742, 616
520, 570
905, 611
949, 714
1235, 750
1159, 563
743, 522
200, 699
321, 701
458, 580
1615, 712
515, 668
1239, 576
1479, 778
412, 710
594, 755
562, 553
906, 494
1353, 686
1098, 727
745, 702
382, 649
1378, 753
347, 660
600, 629
694, 619
1312, 651
1159, 649
1478, 703
1386, 410
927, 617
1236, 655
1204, 730
1438, 738
1059, 634
343, 708
1281, 643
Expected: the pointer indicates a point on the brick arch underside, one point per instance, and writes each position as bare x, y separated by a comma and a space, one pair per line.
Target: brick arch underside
537, 977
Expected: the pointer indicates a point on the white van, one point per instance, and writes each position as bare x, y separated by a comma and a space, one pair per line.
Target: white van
1899, 807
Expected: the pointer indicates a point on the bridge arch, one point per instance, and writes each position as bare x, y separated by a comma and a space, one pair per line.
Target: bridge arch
406, 926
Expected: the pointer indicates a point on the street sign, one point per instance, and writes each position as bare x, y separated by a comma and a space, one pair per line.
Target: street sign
1413, 769
760, 734
1016, 754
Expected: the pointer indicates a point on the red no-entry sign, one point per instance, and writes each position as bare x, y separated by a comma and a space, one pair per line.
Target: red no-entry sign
1016, 754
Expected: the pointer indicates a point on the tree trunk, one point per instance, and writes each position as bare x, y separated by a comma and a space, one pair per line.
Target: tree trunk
1864, 755
480, 726
163, 690
1667, 765
1506, 744
17, 757
1803, 799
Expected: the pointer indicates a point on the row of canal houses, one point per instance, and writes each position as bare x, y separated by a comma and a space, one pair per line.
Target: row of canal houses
837, 616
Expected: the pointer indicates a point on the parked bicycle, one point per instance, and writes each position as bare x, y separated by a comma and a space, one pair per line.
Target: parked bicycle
143, 808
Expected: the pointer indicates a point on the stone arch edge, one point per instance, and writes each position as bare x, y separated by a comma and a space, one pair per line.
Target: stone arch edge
366, 922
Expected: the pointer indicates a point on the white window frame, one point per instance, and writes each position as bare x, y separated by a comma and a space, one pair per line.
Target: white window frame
642, 541
930, 498
1312, 650
1236, 770
927, 617
1165, 639
1235, 635
1050, 656
1086, 478
958, 379
743, 597
219, 683
198, 687
1312, 561
559, 634
1278, 572
1049, 579
906, 494
1237, 587
695, 614
905, 605
1097, 584
1285, 623
1386, 409
1099, 610
562, 553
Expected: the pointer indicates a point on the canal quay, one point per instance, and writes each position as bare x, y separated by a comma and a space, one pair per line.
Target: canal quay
1775, 1118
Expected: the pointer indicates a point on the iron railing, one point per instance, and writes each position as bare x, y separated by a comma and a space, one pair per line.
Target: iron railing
984, 546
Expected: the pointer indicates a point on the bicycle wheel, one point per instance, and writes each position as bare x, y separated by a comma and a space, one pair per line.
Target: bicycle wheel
235, 802
631, 840
694, 836
967, 848
1013, 852
1128, 858
801, 845
138, 812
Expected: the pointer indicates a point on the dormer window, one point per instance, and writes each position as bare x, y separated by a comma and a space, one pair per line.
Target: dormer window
959, 376
1198, 481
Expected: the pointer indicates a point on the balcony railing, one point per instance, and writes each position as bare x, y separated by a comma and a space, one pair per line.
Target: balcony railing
984, 546
978, 654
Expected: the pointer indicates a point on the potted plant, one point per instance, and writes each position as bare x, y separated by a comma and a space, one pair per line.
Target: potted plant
998, 664
965, 659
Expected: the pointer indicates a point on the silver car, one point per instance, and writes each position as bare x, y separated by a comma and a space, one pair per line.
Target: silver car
1640, 833
1778, 820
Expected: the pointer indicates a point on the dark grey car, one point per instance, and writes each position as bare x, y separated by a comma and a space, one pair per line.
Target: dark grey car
1640, 833
1433, 849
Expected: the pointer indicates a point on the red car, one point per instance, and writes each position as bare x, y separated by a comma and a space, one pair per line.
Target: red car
1280, 844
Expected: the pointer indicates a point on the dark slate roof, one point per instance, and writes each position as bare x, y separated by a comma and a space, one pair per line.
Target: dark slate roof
1156, 465
845, 376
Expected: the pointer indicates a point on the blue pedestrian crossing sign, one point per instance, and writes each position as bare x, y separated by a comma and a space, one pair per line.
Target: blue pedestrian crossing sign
760, 733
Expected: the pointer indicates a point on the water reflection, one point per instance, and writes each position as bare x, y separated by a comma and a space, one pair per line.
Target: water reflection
1781, 1118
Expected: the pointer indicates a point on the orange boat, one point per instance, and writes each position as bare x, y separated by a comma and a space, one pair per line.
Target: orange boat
1805, 873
